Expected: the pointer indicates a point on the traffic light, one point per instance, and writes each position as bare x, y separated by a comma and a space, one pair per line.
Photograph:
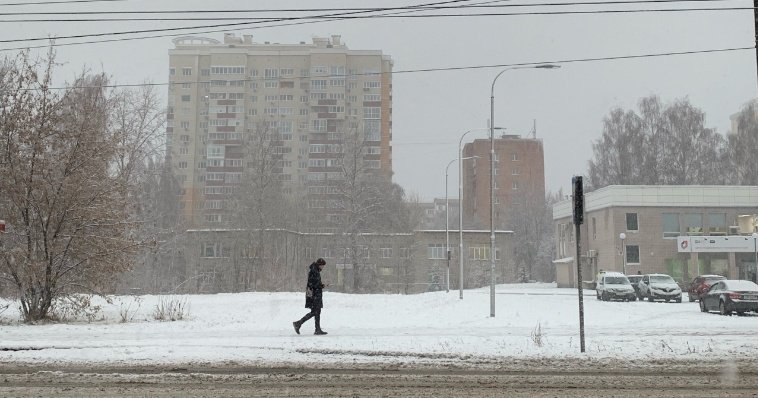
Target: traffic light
578, 198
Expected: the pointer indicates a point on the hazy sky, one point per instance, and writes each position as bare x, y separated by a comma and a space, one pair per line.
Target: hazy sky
432, 109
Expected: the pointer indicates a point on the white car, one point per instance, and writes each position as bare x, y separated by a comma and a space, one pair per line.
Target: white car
614, 285
659, 287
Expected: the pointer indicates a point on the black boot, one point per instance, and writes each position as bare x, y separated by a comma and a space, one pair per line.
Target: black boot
317, 318
297, 325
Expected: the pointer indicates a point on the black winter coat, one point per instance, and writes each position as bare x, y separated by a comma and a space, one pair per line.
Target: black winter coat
314, 290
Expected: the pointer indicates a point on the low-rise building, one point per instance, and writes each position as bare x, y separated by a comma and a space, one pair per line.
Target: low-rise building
234, 260
651, 219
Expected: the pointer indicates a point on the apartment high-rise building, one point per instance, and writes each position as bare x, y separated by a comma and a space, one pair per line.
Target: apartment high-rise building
519, 178
309, 97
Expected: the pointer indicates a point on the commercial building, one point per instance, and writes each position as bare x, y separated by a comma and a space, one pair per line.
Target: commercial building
307, 100
519, 177
654, 220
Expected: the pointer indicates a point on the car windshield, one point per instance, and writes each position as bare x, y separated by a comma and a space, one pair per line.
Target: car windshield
635, 278
616, 280
661, 279
741, 286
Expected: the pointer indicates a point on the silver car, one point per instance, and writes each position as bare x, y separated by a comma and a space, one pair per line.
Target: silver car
659, 287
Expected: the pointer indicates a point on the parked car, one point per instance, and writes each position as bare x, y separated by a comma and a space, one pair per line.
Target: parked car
730, 295
701, 284
635, 280
614, 285
659, 287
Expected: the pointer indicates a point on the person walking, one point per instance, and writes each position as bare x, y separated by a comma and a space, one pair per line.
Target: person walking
313, 297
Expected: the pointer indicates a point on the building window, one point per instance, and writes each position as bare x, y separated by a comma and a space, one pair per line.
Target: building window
693, 224
632, 254
631, 222
385, 252
478, 252
372, 113
514, 185
670, 223
516, 171
186, 98
213, 250
436, 251
317, 85
716, 224
514, 156
187, 71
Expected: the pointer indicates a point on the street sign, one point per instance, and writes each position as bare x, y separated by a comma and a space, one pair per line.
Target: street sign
715, 244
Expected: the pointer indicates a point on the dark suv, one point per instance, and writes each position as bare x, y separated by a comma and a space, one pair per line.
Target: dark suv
701, 284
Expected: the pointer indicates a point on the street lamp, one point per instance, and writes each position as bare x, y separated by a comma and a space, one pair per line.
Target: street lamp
622, 236
447, 220
492, 176
460, 207
755, 250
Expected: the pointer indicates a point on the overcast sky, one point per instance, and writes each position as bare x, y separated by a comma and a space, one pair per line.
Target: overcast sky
432, 109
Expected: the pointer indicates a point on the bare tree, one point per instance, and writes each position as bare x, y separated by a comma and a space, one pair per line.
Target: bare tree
742, 147
665, 145
70, 228
530, 218
691, 151
259, 205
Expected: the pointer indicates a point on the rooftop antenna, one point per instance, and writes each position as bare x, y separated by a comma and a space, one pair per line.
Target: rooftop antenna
534, 128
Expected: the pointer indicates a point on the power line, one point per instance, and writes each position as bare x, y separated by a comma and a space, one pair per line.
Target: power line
58, 2
351, 15
342, 14
266, 19
456, 68
271, 24
205, 32
366, 9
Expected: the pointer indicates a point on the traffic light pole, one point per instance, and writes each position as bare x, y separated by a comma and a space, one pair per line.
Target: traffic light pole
578, 199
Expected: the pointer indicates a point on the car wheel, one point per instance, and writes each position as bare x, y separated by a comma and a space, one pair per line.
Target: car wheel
722, 308
679, 300
667, 300
691, 298
702, 306
740, 313
597, 295
604, 296
634, 298
650, 298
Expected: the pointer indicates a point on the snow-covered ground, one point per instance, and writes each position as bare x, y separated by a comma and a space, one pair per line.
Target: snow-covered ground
533, 321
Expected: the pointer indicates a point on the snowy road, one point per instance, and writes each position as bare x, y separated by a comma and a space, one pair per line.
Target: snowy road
374, 382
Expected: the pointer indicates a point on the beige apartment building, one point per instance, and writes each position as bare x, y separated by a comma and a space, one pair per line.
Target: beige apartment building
653, 219
519, 177
309, 96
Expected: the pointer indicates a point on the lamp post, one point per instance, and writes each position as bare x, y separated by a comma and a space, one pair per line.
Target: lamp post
447, 227
460, 208
492, 176
447, 219
755, 251
622, 236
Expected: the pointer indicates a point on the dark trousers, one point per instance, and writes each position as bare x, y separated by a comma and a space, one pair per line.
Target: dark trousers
315, 312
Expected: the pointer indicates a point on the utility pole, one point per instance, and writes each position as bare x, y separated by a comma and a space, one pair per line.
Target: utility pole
755, 14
